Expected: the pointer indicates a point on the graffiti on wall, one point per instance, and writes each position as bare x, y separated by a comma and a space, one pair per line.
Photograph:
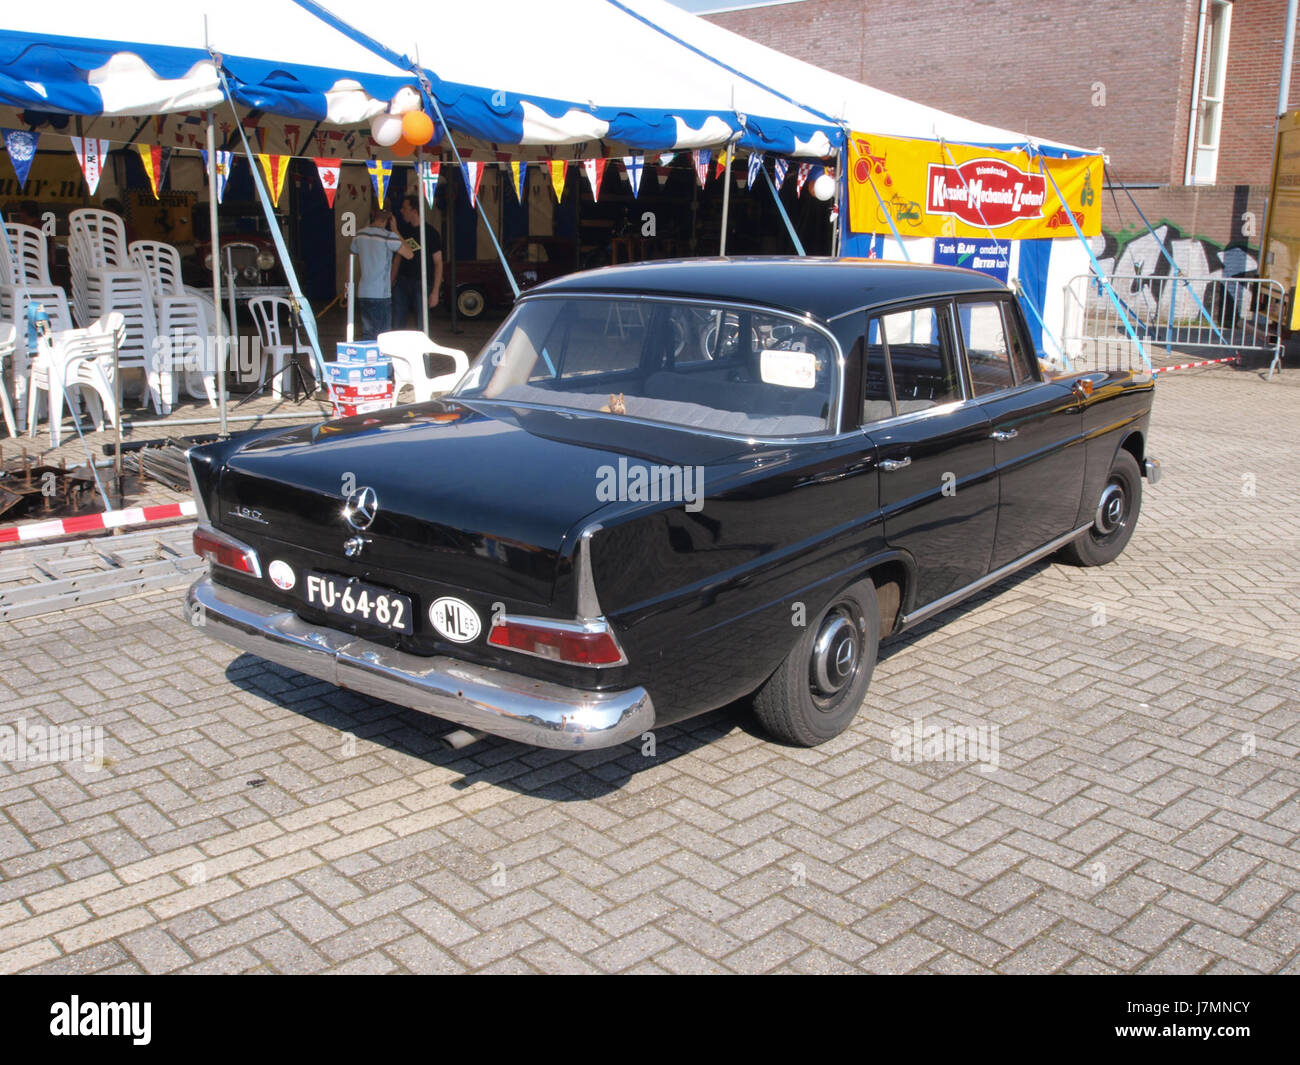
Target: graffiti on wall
1135, 251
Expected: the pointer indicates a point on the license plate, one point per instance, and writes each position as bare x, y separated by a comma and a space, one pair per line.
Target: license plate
358, 601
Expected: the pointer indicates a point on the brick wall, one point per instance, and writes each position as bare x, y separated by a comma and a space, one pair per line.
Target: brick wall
1034, 67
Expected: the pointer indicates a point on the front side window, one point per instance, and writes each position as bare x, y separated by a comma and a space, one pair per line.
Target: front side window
726, 369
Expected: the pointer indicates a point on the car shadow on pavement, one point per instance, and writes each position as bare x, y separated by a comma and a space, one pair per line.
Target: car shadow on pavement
557, 775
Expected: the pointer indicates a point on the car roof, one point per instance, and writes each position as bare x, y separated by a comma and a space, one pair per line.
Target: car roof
822, 287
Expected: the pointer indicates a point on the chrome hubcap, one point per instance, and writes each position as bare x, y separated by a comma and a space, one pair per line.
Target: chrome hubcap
1110, 510
835, 654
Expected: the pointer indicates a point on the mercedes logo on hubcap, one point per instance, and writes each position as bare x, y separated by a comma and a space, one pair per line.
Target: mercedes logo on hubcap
360, 508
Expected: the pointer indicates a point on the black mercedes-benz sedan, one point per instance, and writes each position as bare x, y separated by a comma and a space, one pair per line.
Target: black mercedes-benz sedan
667, 486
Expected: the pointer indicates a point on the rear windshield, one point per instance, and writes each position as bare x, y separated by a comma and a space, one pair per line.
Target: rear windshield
726, 369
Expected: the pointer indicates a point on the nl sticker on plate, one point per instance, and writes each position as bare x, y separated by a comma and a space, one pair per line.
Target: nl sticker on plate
791, 369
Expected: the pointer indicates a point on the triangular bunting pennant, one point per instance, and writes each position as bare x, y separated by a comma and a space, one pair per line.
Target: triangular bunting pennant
724, 162
634, 165
380, 170
275, 167
291, 135
804, 170
595, 171
701, 157
151, 156
224, 162
91, 153
755, 165
666, 158
429, 172
473, 174
328, 172
21, 147
166, 162
559, 170
780, 168
518, 172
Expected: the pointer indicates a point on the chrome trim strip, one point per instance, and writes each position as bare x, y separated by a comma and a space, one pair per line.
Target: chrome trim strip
202, 508
588, 604
940, 605
476, 697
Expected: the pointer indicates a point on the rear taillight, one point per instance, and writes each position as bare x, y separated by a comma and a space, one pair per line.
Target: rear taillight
575, 643
223, 550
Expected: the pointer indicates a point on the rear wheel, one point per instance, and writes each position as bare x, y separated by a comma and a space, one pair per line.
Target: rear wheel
470, 301
816, 692
1114, 518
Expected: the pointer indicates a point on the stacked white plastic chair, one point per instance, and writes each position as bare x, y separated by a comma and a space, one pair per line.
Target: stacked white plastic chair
182, 317
7, 346
76, 360
24, 279
104, 279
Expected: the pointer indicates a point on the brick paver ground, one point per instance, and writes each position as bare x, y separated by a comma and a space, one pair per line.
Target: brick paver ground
1142, 816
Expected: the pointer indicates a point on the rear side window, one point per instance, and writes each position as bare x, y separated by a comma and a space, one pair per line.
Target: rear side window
921, 361
1023, 359
985, 338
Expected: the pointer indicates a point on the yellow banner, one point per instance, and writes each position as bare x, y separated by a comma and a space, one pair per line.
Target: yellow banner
931, 189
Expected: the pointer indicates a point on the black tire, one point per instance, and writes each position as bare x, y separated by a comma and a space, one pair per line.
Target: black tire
805, 707
470, 302
1114, 518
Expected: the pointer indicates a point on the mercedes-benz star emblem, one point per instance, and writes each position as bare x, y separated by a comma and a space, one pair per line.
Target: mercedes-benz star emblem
360, 508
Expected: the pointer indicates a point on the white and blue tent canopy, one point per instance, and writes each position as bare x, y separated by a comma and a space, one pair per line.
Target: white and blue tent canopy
634, 74
505, 72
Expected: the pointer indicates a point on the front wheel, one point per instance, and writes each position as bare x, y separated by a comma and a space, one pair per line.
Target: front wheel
816, 692
1114, 518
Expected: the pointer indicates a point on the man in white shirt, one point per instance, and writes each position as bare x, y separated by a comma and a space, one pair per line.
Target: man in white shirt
375, 246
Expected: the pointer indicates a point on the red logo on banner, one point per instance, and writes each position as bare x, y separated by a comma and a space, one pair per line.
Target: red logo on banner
985, 192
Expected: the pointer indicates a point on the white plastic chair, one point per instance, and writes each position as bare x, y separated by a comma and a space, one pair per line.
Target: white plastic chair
24, 279
104, 279
76, 359
408, 348
7, 347
182, 320
275, 337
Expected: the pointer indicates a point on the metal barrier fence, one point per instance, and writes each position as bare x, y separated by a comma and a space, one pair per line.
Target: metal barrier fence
1168, 314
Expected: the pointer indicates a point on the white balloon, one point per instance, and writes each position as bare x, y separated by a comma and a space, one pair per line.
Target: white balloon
824, 187
407, 99
386, 129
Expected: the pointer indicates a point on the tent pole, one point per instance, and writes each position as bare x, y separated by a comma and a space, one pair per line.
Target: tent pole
789, 227
219, 341
424, 252
726, 196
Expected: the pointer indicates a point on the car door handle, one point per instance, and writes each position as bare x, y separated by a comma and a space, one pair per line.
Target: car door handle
890, 465
1003, 434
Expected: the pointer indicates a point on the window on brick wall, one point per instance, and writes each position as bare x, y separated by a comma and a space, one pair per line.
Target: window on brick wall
1213, 78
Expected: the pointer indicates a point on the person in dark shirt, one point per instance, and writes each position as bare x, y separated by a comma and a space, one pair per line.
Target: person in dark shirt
406, 279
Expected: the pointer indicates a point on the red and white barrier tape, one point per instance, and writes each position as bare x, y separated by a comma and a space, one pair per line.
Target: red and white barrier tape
86, 523
1193, 365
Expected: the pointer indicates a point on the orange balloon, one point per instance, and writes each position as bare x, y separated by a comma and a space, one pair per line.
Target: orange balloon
403, 148
417, 127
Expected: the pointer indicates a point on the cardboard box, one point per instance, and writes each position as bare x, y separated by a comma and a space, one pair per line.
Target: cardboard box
351, 410
350, 373
361, 391
357, 351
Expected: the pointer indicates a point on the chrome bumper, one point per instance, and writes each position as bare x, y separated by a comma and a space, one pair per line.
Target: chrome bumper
1152, 470
488, 700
